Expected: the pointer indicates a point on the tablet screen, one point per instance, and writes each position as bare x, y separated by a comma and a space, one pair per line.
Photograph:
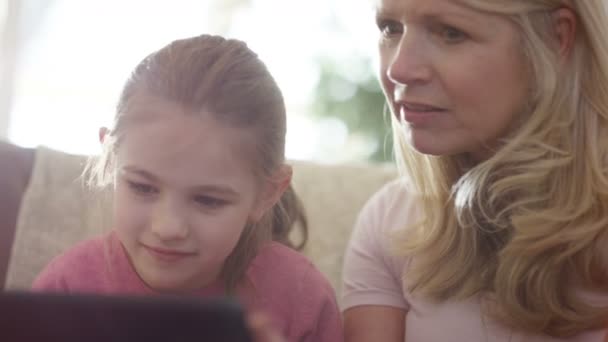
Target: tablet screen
41, 317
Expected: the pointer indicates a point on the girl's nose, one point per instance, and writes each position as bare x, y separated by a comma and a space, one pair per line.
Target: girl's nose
170, 222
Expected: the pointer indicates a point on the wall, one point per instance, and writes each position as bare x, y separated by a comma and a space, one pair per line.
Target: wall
8, 42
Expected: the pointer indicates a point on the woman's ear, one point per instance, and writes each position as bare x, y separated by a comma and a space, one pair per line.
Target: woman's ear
564, 27
103, 131
271, 191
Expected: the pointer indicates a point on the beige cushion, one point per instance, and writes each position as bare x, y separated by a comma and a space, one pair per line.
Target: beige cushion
57, 211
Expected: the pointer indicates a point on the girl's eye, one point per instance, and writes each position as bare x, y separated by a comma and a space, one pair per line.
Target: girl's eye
451, 35
142, 188
389, 28
209, 202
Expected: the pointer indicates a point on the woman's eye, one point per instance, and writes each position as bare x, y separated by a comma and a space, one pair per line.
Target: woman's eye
209, 202
452, 35
389, 28
142, 188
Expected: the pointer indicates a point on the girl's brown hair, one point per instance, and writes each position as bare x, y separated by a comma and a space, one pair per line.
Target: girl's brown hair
226, 79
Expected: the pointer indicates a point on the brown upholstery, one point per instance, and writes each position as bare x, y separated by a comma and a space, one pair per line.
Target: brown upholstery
15, 169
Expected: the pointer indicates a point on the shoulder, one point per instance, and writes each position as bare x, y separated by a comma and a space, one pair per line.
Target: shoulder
279, 267
372, 270
84, 253
80, 262
297, 294
393, 197
391, 209
282, 260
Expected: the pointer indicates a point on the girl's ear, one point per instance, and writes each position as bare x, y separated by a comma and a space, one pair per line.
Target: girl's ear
271, 192
103, 131
564, 27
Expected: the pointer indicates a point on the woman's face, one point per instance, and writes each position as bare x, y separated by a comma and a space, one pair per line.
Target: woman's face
455, 78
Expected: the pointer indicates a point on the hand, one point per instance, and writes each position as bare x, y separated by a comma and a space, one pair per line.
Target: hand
262, 329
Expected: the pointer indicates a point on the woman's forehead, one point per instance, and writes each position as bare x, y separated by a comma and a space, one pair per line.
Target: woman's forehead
435, 10
423, 7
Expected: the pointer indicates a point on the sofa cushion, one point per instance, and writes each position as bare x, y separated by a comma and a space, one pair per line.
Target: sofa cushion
58, 210
15, 165
333, 195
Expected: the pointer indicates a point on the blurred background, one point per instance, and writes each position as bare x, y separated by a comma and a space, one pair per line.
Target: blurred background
63, 64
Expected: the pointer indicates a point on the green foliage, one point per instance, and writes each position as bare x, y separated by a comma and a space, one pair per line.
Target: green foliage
350, 91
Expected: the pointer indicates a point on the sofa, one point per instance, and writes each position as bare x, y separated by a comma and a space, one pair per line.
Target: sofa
45, 208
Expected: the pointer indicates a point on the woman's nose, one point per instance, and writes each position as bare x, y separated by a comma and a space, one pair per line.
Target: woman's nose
409, 63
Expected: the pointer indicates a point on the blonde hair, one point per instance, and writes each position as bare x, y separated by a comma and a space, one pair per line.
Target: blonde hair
528, 226
224, 78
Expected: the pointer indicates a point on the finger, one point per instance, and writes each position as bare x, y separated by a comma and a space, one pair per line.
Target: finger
262, 329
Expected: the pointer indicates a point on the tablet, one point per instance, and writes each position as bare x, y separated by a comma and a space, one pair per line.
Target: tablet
42, 317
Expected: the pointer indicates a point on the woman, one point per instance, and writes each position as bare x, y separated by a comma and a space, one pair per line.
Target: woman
499, 229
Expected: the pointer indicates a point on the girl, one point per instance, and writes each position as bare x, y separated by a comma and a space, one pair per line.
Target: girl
499, 230
200, 186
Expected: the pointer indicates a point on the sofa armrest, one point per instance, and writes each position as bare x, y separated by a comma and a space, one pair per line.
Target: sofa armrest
15, 170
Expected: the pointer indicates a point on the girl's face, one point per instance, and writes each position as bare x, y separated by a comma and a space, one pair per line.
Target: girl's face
454, 77
184, 191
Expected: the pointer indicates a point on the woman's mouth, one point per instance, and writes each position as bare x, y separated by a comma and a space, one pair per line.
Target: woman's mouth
418, 114
419, 107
